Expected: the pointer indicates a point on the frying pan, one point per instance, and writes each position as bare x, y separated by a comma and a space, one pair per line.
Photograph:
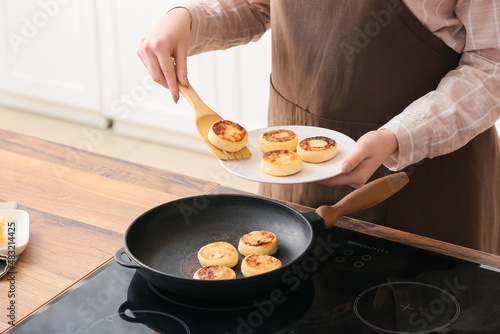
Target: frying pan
162, 243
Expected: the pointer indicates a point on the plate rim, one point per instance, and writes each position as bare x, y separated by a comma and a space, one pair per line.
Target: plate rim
287, 179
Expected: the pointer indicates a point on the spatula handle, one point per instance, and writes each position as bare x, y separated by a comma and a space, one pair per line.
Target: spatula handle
363, 198
191, 96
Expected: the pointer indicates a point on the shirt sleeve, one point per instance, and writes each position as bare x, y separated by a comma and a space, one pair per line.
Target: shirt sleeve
466, 101
222, 24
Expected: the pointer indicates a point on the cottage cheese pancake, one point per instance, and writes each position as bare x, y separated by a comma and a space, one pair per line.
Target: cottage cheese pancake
218, 253
281, 163
214, 273
317, 149
228, 136
278, 140
256, 264
258, 242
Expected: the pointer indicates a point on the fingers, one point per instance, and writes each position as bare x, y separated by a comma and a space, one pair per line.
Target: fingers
354, 159
368, 154
356, 178
355, 169
148, 55
163, 68
168, 40
181, 68
169, 74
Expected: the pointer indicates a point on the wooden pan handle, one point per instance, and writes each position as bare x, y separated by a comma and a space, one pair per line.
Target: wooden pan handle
363, 198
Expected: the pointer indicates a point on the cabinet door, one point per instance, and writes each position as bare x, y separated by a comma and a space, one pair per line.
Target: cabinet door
48, 56
234, 83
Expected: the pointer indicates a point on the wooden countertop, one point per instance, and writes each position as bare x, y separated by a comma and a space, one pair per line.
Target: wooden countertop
81, 203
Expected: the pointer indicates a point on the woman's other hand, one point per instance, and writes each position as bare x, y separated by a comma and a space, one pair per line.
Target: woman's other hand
168, 42
370, 151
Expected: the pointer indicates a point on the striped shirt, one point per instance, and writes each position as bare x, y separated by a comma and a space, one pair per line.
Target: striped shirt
466, 102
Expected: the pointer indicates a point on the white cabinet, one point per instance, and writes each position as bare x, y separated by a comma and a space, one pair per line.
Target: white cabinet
48, 59
77, 60
235, 83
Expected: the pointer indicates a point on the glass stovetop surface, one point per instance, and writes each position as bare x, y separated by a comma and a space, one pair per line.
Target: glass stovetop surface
362, 284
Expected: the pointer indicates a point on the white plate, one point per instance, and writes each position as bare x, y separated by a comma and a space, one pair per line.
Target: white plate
250, 168
15, 235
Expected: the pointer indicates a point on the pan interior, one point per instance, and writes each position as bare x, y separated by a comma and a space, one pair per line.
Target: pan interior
167, 238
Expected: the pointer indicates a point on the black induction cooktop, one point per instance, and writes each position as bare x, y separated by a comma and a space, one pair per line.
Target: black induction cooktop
360, 284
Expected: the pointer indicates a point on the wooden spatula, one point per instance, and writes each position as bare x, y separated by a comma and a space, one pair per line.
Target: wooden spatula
205, 117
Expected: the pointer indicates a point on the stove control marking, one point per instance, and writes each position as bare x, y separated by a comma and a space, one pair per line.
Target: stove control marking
407, 307
380, 250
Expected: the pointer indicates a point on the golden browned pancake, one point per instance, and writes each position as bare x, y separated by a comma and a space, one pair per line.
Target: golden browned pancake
228, 136
218, 253
256, 264
317, 149
281, 163
214, 273
258, 242
278, 140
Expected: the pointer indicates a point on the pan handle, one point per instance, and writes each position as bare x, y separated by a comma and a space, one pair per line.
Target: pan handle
124, 260
121, 312
363, 198
316, 221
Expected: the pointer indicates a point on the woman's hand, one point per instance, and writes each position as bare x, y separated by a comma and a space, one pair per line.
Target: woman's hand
168, 42
371, 150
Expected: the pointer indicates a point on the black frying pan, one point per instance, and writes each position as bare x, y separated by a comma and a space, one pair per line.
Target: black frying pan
162, 243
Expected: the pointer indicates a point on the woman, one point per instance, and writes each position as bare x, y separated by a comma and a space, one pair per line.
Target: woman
417, 84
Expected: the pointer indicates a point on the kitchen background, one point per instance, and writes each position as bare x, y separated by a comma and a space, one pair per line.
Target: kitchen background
69, 73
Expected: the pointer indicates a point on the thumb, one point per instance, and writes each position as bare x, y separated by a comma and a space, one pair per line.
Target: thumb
352, 160
350, 163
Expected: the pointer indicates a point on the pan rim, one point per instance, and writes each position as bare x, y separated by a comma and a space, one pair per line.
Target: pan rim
283, 269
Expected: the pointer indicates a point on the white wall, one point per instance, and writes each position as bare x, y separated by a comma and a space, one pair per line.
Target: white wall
76, 60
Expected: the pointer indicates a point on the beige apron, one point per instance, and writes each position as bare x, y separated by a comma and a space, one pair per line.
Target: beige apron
351, 66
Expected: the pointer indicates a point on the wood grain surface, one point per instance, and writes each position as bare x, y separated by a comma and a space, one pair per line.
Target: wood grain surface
80, 204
